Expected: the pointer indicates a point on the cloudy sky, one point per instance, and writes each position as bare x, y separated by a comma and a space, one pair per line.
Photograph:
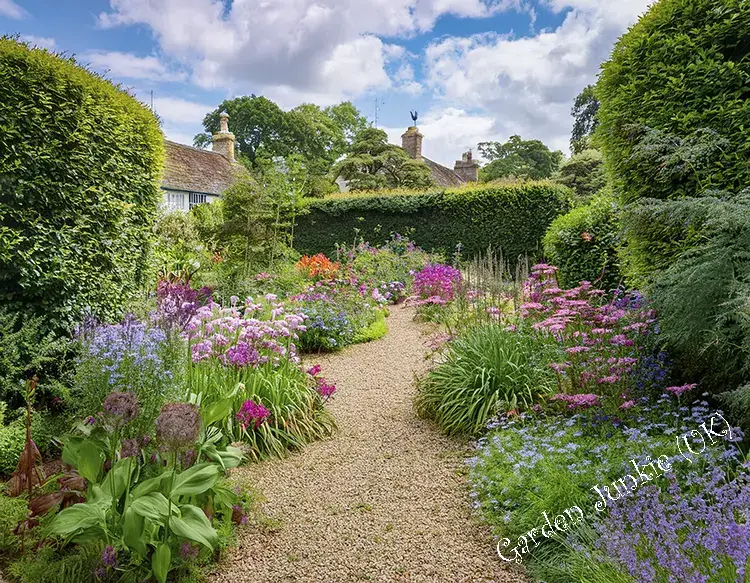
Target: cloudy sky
475, 70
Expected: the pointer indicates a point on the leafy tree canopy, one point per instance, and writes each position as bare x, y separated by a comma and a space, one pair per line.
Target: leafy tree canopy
264, 131
584, 111
372, 163
583, 172
518, 158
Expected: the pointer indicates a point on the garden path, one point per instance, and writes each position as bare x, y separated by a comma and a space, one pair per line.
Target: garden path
383, 500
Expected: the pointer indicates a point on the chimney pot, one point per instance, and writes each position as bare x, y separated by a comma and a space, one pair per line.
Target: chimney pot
411, 142
223, 140
467, 168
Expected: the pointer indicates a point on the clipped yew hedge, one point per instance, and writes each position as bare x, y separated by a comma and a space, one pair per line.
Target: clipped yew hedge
512, 218
684, 66
80, 164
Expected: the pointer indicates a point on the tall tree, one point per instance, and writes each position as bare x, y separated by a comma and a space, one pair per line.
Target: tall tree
258, 124
584, 111
518, 158
373, 163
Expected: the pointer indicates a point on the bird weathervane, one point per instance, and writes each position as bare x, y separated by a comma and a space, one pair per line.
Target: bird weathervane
414, 116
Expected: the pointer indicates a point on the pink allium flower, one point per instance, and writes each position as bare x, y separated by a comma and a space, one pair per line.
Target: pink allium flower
677, 391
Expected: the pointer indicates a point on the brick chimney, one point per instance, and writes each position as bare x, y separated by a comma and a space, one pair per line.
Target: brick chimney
411, 141
223, 140
467, 168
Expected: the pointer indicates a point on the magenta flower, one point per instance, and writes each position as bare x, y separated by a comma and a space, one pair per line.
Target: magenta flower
314, 370
628, 405
252, 413
581, 401
677, 391
325, 389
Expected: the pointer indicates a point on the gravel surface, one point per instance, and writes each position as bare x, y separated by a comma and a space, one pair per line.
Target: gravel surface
384, 500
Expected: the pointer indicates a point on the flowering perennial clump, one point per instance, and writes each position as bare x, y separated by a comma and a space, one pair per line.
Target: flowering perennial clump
252, 414
177, 303
436, 283
241, 336
318, 267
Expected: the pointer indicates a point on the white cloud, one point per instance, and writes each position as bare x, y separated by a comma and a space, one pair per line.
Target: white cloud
176, 111
528, 84
12, 10
129, 66
43, 42
311, 47
449, 132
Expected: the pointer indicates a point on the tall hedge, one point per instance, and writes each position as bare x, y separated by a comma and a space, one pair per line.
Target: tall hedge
683, 67
80, 164
512, 218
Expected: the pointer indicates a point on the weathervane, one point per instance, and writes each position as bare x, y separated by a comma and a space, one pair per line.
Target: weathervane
414, 116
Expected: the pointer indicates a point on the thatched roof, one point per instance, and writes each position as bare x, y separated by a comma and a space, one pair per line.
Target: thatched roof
441, 175
195, 170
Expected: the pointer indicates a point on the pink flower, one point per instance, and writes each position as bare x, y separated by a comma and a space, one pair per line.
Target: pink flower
252, 413
325, 389
577, 349
627, 405
677, 391
608, 379
314, 370
583, 401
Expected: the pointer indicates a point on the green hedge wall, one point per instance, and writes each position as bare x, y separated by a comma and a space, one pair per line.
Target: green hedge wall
684, 66
512, 218
80, 164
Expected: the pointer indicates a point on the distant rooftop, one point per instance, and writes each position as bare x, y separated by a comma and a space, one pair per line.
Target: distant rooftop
194, 170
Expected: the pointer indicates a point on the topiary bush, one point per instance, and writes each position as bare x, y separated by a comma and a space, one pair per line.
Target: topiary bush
583, 244
80, 163
511, 217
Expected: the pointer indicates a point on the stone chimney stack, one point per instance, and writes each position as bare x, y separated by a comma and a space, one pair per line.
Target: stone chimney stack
411, 141
467, 168
223, 140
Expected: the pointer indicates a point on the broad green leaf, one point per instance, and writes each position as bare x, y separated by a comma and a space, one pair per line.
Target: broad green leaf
76, 519
132, 531
150, 485
161, 561
194, 526
90, 461
119, 475
195, 480
98, 497
217, 411
232, 456
70, 451
154, 506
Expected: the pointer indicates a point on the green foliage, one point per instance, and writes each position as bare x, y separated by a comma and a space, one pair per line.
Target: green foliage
684, 66
583, 173
703, 297
489, 370
12, 511
26, 348
51, 565
372, 163
12, 440
508, 217
179, 251
518, 158
583, 244
374, 331
584, 111
80, 163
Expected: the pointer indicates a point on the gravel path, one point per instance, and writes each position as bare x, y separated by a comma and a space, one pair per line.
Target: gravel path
383, 500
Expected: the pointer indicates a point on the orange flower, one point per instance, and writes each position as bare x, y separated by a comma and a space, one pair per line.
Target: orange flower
317, 267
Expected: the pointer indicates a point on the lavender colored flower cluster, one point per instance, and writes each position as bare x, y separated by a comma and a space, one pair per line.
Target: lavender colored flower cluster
240, 336
177, 303
129, 345
685, 535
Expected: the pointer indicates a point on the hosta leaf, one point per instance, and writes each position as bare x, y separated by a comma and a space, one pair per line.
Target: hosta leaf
195, 480
153, 506
194, 526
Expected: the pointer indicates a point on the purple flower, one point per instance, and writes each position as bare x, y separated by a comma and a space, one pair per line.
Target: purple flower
109, 556
178, 425
437, 280
314, 370
252, 413
189, 551
130, 448
121, 405
677, 391
581, 401
325, 389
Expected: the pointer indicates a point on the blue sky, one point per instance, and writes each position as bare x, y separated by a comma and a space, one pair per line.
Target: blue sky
476, 70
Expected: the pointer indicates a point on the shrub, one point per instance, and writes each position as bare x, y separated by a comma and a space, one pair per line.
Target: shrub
511, 217
488, 371
583, 244
583, 173
80, 163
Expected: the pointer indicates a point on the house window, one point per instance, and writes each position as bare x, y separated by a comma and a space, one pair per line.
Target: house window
176, 200
197, 198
